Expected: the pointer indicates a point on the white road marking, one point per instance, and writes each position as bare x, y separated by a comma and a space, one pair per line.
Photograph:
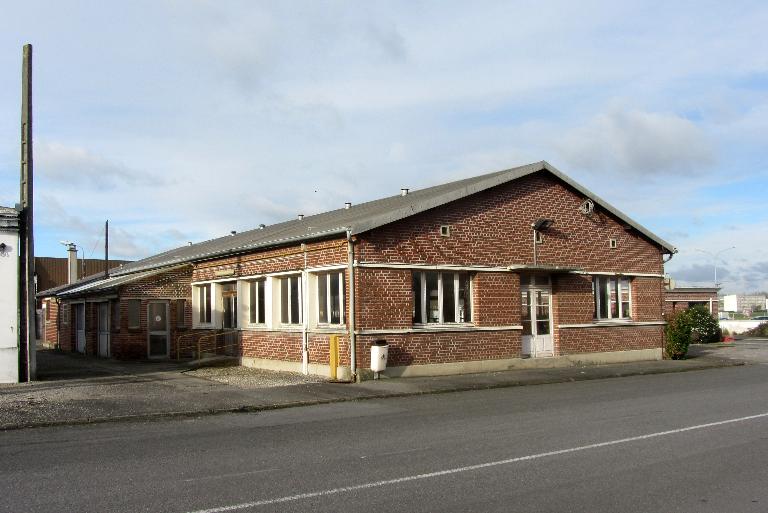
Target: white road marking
457, 470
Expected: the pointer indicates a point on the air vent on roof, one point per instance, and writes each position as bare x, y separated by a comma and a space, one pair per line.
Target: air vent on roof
403, 192
262, 226
347, 205
233, 232
301, 216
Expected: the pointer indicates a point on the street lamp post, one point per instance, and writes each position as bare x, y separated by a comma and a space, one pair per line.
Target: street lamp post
715, 256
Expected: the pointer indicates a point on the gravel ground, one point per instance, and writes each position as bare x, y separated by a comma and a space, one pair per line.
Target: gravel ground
247, 377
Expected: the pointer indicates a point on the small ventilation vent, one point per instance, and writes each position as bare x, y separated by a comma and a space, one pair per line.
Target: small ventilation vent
587, 207
445, 230
612, 243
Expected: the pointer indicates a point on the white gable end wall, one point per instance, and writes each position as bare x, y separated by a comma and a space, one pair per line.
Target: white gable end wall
9, 306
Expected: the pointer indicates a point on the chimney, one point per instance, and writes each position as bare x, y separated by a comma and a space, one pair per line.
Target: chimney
301, 216
71, 263
403, 192
347, 205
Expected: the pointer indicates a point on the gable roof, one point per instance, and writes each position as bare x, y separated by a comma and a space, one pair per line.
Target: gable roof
365, 217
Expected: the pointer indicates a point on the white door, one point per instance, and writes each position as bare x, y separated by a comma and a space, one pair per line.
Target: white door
536, 308
158, 332
104, 330
80, 328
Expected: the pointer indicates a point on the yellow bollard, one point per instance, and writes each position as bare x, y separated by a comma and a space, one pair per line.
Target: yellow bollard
333, 349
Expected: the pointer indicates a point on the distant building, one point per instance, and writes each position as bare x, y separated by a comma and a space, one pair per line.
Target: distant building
744, 304
9, 295
52, 273
681, 298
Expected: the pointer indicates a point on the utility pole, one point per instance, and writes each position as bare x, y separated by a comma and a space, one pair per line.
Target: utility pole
27, 324
106, 249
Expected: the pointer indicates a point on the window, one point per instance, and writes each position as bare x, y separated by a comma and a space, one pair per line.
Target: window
181, 308
256, 312
204, 303
611, 297
290, 300
441, 297
134, 313
330, 298
228, 293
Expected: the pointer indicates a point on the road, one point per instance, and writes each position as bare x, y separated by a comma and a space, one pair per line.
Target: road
692, 441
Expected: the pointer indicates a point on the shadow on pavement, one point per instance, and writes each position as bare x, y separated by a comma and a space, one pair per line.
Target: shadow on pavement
54, 365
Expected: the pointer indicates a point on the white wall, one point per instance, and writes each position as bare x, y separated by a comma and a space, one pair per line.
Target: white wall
738, 327
9, 306
730, 303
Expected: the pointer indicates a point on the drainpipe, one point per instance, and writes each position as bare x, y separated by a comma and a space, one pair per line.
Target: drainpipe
305, 315
352, 337
534, 246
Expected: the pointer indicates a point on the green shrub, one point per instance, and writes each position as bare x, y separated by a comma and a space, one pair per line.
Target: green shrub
706, 329
760, 331
678, 334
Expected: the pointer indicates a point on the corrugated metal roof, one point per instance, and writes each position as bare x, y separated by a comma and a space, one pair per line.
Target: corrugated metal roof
103, 285
54, 271
364, 217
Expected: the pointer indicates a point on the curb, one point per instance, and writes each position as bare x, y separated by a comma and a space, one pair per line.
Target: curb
169, 415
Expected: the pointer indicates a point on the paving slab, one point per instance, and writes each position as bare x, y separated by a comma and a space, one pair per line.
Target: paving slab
79, 390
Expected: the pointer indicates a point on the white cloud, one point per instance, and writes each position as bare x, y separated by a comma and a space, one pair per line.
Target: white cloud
75, 166
639, 143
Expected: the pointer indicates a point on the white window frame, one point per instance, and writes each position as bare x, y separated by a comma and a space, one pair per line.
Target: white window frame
609, 282
251, 299
197, 305
328, 276
291, 321
441, 311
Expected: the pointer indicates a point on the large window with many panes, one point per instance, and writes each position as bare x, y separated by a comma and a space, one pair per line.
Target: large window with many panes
290, 299
612, 297
256, 302
442, 297
330, 298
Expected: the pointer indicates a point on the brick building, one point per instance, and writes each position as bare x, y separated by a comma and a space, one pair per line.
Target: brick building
681, 298
515, 268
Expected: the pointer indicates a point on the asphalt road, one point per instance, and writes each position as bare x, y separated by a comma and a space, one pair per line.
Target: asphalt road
692, 441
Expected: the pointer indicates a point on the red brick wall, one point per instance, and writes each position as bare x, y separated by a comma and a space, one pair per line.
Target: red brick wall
51, 322
613, 338
680, 300
384, 298
274, 260
494, 228
496, 298
442, 347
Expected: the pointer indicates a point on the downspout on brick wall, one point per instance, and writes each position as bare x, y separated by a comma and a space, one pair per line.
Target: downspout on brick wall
305, 314
352, 337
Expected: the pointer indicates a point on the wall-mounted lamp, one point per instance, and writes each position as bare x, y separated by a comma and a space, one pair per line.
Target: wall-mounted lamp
540, 225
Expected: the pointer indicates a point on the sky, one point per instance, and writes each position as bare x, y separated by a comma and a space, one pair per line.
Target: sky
183, 120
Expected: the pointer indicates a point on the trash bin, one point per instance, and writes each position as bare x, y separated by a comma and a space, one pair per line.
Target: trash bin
379, 353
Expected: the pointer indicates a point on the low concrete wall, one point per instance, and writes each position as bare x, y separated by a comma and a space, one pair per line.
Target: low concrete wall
739, 327
524, 363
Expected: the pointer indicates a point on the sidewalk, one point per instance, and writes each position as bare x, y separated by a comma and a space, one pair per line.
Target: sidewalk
116, 391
